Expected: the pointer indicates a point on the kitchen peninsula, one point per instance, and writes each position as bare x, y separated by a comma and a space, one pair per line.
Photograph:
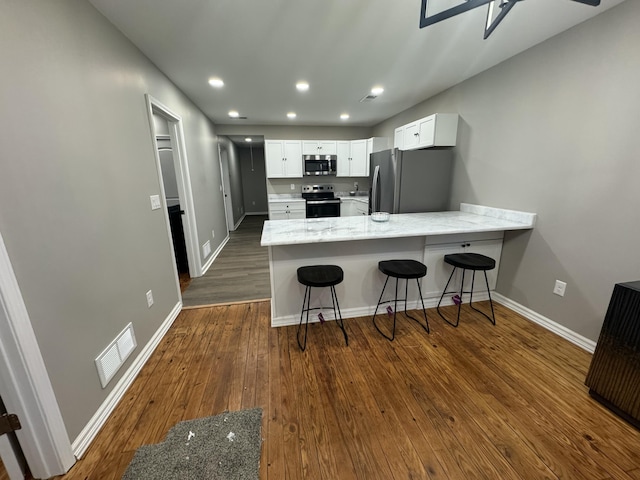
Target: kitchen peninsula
358, 243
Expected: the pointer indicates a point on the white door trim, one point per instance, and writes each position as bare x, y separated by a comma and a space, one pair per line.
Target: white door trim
24, 383
183, 180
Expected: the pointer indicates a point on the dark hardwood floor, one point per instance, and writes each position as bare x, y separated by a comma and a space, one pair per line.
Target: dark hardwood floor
503, 402
240, 272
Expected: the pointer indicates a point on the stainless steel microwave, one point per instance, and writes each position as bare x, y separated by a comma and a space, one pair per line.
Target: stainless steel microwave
319, 164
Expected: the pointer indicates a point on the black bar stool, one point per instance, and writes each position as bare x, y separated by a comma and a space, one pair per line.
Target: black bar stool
320, 276
398, 269
473, 262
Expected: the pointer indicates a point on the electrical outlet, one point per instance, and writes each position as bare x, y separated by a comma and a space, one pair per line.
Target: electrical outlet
149, 298
560, 288
155, 202
355, 185
293, 186
213, 234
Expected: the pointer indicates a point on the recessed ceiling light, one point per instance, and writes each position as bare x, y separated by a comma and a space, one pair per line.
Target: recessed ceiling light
233, 114
248, 139
216, 82
377, 90
291, 115
344, 116
302, 86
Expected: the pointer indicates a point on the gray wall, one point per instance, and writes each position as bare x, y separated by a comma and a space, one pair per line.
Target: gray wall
340, 184
78, 168
554, 130
293, 132
253, 179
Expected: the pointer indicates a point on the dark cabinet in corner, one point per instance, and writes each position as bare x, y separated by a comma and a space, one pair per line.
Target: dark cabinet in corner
614, 375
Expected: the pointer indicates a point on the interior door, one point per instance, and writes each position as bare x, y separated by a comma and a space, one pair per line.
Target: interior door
14, 465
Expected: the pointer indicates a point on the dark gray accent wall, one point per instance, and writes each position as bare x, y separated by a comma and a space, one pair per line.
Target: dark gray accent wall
77, 169
253, 173
554, 131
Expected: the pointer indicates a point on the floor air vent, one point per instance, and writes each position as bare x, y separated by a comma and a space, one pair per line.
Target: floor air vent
112, 357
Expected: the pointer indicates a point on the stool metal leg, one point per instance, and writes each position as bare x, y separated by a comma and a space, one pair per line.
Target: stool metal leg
444, 292
394, 313
338, 316
306, 300
424, 311
491, 318
306, 307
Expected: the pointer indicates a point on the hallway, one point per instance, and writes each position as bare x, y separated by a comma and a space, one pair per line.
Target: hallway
239, 273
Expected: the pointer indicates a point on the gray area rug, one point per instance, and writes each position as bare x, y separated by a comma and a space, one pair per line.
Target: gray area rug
226, 446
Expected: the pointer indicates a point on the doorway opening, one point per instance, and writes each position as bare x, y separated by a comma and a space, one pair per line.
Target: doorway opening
175, 186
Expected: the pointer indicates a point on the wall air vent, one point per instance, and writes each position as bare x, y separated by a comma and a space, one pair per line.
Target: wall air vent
368, 98
112, 357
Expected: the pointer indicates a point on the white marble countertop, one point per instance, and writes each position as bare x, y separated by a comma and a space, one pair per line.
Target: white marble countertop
285, 197
470, 219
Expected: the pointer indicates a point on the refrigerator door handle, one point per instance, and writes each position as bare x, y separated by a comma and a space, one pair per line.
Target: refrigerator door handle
374, 189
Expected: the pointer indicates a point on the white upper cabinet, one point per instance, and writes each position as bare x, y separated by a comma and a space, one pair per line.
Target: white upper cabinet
353, 155
397, 138
353, 160
283, 158
319, 147
344, 153
437, 130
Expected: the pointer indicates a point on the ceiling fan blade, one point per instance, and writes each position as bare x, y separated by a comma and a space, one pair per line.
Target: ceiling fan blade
593, 3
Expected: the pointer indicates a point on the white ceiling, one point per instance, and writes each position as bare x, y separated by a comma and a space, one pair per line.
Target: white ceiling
261, 48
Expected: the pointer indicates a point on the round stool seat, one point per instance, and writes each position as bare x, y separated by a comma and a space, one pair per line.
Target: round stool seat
320, 275
470, 261
403, 268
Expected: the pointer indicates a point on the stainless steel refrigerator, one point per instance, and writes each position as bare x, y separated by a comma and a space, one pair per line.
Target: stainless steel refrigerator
410, 181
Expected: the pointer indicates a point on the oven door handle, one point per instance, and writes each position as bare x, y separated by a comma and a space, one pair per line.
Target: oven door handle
324, 202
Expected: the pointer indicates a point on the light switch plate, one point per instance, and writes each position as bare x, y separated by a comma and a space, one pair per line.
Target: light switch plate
155, 202
560, 288
149, 298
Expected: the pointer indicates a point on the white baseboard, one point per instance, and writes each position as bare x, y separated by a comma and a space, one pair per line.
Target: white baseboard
89, 432
564, 332
287, 320
212, 258
235, 227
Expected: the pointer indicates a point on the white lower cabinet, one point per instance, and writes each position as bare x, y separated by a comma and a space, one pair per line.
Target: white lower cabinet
361, 208
438, 272
351, 207
287, 210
